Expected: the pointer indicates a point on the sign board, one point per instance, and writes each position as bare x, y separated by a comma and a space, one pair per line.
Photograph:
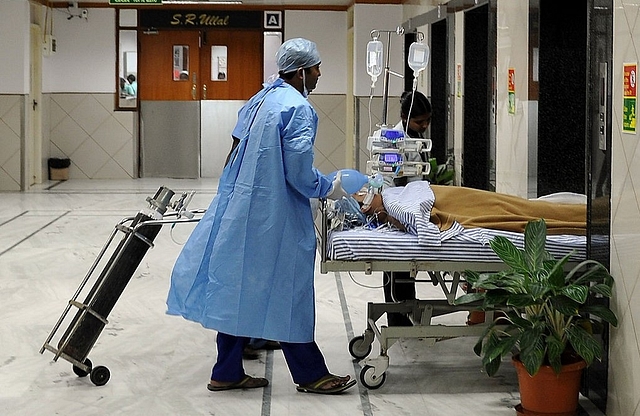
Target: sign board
512, 90
272, 20
630, 97
192, 19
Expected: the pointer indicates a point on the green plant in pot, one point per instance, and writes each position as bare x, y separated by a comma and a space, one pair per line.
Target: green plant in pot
546, 321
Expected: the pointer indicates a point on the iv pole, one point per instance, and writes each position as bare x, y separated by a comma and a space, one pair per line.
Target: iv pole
385, 82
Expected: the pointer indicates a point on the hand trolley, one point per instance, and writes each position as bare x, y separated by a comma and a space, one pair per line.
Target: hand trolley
91, 315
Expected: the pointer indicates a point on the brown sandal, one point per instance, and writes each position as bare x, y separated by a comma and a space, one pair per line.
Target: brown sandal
339, 383
247, 382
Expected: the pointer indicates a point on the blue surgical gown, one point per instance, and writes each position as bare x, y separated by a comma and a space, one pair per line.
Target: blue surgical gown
248, 267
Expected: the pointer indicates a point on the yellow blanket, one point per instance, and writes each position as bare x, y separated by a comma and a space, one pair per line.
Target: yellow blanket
474, 208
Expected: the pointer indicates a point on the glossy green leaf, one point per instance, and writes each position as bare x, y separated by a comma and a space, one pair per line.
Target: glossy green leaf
584, 344
601, 312
508, 253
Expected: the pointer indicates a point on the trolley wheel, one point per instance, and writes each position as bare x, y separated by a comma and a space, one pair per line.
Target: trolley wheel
369, 380
79, 371
359, 348
100, 375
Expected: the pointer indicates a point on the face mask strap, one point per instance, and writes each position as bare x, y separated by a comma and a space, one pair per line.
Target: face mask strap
305, 92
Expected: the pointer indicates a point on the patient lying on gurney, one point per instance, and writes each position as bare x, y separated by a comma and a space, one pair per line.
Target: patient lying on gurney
453, 208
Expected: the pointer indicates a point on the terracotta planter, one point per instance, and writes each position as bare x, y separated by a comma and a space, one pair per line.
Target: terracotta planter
478, 317
475, 318
547, 392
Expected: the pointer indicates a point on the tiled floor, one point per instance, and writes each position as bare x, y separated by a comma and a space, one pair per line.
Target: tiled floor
160, 364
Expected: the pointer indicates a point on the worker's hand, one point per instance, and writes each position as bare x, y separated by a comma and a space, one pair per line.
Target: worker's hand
336, 192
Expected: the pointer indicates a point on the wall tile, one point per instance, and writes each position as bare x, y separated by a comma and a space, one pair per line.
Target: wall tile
624, 366
10, 139
89, 157
89, 114
98, 140
9, 142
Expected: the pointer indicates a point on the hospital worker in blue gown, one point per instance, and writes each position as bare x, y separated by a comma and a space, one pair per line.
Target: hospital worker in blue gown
247, 269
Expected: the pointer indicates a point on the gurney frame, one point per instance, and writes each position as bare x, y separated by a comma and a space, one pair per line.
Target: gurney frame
448, 275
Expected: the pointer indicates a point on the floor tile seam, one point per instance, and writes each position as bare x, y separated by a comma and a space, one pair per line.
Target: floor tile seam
33, 233
363, 392
14, 218
266, 394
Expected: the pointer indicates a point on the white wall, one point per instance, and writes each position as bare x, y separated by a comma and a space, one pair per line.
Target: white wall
624, 348
85, 59
14, 48
86, 53
328, 30
367, 17
511, 129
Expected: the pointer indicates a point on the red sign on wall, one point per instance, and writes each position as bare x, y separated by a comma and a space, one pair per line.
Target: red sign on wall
512, 90
512, 80
630, 80
630, 99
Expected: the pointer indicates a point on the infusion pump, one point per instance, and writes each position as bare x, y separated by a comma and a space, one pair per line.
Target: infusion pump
393, 154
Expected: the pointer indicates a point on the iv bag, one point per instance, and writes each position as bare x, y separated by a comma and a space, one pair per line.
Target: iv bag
418, 57
374, 58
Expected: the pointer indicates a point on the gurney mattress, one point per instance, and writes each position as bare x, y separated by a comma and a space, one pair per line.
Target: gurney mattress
470, 245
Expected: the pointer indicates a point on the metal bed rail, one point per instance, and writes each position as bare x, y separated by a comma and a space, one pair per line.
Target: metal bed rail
448, 275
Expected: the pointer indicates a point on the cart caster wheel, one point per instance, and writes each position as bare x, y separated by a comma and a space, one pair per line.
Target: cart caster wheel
369, 380
100, 375
79, 371
358, 348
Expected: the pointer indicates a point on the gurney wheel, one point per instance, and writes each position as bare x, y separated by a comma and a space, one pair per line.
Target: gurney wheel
100, 375
79, 371
359, 348
368, 378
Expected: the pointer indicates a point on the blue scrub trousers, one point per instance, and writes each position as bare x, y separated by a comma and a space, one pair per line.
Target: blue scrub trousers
305, 361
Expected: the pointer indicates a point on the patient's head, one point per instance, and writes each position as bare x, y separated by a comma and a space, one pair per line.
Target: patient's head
376, 207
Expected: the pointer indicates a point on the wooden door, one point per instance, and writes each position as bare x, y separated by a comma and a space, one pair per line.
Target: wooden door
169, 66
231, 64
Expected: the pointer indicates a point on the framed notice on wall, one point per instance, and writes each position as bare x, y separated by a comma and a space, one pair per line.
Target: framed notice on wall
630, 97
511, 86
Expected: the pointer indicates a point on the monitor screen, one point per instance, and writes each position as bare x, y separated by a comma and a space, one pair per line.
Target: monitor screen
390, 158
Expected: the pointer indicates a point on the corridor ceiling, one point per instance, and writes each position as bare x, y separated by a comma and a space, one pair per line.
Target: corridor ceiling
306, 4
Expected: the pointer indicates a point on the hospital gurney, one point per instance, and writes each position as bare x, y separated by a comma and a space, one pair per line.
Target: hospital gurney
91, 315
369, 251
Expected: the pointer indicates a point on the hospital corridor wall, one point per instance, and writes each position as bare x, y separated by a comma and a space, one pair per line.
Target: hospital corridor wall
79, 121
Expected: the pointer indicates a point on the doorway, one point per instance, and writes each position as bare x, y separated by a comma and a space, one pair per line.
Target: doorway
562, 102
168, 71
478, 148
200, 78
232, 71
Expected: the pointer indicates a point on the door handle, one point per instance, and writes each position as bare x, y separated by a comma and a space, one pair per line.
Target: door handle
194, 87
204, 91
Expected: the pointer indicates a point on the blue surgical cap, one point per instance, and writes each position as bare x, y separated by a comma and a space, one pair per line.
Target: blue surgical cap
297, 53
